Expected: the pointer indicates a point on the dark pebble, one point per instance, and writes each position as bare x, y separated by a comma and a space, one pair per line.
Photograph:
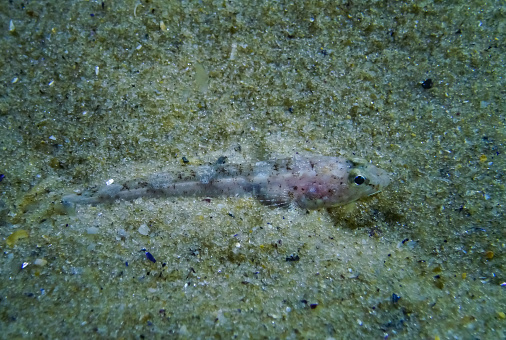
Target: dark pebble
293, 258
427, 84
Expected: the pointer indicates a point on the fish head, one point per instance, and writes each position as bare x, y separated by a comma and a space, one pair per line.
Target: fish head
326, 182
365, 179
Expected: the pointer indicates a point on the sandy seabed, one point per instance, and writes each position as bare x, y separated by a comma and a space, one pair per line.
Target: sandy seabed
94, 91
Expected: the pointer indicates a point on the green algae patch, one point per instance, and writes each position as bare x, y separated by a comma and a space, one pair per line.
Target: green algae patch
13, 238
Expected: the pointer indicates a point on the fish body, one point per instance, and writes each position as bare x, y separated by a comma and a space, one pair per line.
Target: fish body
309, 182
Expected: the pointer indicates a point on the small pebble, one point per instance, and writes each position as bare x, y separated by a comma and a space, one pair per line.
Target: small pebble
144, 230
92, 230
40, 262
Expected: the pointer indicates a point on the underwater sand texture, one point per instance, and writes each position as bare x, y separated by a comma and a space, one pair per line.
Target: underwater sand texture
100, 91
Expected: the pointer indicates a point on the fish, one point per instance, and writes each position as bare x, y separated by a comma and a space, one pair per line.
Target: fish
309, 182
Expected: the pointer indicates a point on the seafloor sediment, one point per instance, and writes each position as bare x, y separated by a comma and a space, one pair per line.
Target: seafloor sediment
94, 91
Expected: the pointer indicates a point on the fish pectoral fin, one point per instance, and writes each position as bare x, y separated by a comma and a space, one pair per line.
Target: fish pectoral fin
274, 199
273, 202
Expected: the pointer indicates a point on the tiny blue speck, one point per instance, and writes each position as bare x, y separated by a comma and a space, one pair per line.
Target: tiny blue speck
2, 176
92, 14
150, 257
126, 263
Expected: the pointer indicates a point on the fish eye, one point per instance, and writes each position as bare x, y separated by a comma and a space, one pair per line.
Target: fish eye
359, 180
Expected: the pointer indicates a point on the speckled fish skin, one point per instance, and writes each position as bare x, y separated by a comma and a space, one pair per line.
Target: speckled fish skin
309, 182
